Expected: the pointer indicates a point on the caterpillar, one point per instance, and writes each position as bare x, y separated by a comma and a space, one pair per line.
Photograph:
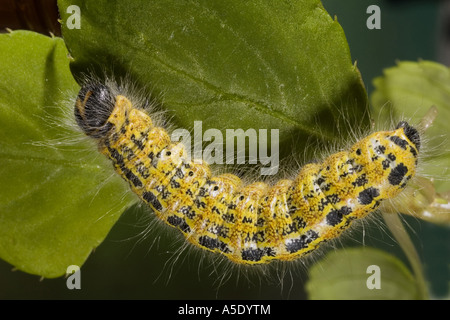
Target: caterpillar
255, 223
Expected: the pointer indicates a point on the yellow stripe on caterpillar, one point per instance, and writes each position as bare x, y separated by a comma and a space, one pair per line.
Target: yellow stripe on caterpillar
255, 223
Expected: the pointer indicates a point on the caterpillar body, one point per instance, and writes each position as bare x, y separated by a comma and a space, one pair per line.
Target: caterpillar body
254, 223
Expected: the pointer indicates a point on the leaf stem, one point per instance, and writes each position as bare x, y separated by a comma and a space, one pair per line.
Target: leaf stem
397, 228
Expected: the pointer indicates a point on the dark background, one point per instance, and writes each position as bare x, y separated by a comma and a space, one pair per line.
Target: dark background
126, 266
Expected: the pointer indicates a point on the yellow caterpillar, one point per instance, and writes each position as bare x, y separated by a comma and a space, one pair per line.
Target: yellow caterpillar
255, 223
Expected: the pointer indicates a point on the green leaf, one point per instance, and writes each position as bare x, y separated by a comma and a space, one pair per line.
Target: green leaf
57, 200
408, 90
343, 275
232, 64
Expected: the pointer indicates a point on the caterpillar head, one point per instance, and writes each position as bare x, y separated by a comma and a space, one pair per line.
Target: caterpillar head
397, 153
93, 106
411, 133
406, 141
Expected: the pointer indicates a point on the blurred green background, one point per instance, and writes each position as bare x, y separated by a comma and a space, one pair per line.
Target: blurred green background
128, 266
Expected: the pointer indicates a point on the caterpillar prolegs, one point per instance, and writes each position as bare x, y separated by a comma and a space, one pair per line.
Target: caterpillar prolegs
254, 223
